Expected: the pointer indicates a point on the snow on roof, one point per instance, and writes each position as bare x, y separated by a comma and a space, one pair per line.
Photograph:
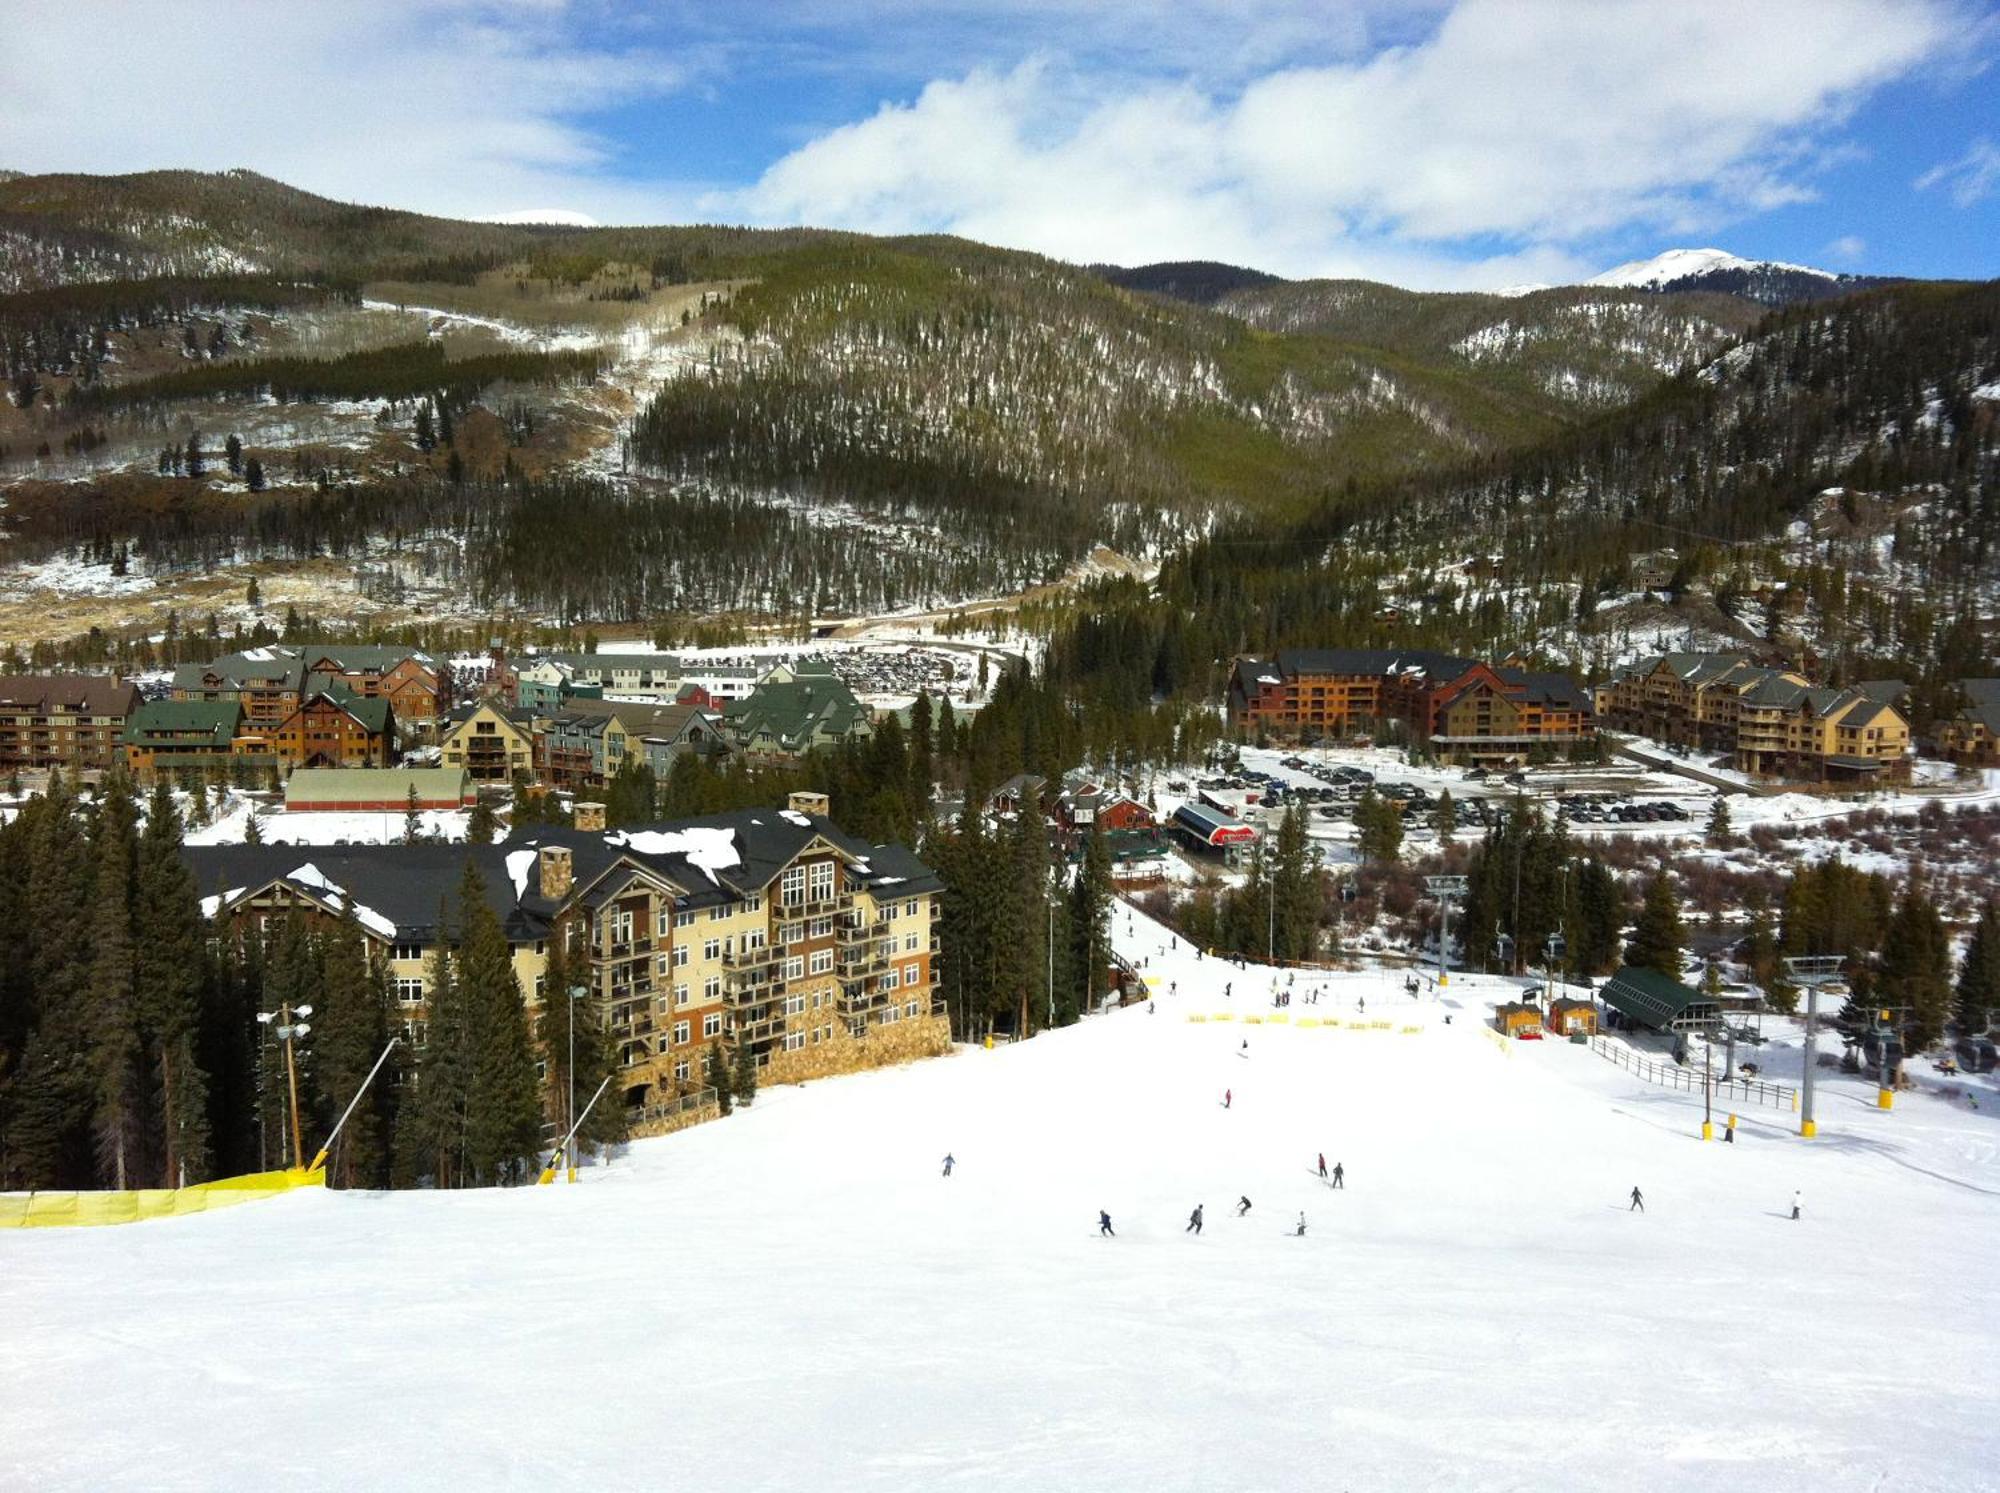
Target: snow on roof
709, 848
519, 863
210, 906
311, 875
793, 816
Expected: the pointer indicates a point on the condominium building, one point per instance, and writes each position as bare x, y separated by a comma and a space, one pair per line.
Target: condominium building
71, 721
1773, 722
769, 931
1457, 707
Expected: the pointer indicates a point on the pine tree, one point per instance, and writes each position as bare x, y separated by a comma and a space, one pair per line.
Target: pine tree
440, 1085
1916, 965
1761, 955
1380, 829
168, 943
1444, 817
745, 1078
349, 1031
1658, 939
294, 978
413, 819
253, 475
715, 1073
425, 435
1719, 836
232, 453
196, 462
112, 1050
481, 824
1090, 919
1297, 899
1979, 974
50, 1102
503, 1117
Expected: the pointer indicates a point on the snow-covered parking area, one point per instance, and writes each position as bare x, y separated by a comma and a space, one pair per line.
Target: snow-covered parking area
795, 1298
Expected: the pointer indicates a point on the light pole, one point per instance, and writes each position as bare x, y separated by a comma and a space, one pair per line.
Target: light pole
576, 993
1814, 972
1445, 888
290, 1024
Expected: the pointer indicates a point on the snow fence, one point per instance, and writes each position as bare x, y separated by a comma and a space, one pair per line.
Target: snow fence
62, 1210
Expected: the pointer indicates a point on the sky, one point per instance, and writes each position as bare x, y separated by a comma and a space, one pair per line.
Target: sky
1429, 143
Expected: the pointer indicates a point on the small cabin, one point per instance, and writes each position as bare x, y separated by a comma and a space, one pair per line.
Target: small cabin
1520, 1021
1568, 1017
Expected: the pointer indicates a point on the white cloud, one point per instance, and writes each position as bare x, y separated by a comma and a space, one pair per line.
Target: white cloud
1847, 249
1510, 135
1972, 178
463, 107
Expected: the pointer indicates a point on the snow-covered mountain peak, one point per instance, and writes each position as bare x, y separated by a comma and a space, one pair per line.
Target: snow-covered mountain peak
1676, 265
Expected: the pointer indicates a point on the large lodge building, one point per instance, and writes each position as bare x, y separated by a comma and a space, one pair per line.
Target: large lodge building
1459, 708
766, 929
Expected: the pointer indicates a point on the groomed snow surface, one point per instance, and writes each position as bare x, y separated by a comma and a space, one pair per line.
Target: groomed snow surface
794, 1298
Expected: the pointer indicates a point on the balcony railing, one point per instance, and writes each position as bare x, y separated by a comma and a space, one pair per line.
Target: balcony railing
748, 959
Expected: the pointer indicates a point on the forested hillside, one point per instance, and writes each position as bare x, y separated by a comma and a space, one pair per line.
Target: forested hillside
1829, 487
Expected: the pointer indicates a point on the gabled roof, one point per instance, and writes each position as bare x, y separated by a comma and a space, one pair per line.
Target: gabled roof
254, 668
1656, 1000
80, 694
1982, 702
215, 719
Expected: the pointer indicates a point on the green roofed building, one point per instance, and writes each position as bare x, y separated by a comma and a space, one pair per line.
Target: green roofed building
186, 738
1656, 1002
795, 709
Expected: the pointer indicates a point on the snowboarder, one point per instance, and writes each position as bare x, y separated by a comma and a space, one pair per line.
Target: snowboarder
1194, 1222
1637, 1201
1104, 1225
1149, 1008
1302, 1226
1246, 1045
1322, 1166
1242, 1206
1225, 1098
1227, 987
948, 1164
1340, 1176
1796, 1202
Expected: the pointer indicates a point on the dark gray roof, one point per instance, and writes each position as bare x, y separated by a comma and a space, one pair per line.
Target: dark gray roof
403, 883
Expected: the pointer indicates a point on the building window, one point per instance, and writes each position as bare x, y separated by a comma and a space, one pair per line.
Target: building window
909, 943
792, 889
680, 955
795, 1005
753, 903
683, 920
711, 950
680, 1034
407, 951
621, 927
821, 928
822, 961
795, 968
794, 1041
711, 988
666, 921
821, 875
681, 994
717, 914
910, 908
911, 1010
409, 992
683, 1071
711, 1024
892, 979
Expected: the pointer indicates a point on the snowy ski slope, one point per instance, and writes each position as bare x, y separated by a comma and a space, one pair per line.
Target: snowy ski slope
794, 1298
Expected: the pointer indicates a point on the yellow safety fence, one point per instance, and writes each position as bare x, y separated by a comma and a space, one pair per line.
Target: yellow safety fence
1327, 1023
61, 1210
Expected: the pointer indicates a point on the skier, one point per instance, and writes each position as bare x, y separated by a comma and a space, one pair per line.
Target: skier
1173, 987
1225, 1098
1796, 1202
1302, 1226
948, 1164
1340, 1176
1104, 1225
1227, 987
1637, 1201
1242, 1206
1246, 1045
1194, 1222
1149, 1008
1322, 1166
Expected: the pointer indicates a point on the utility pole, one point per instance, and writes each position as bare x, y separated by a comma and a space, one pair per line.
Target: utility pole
286, 1028
1814, 973
1445, 888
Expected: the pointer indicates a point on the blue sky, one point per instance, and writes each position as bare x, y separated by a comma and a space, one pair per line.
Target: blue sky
1432, 143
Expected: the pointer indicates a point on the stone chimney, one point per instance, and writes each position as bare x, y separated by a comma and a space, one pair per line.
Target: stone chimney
557, 872
588, 816
808, 803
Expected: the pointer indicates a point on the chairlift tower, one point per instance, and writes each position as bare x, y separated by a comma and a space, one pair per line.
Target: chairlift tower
1813, 973
1447, 889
